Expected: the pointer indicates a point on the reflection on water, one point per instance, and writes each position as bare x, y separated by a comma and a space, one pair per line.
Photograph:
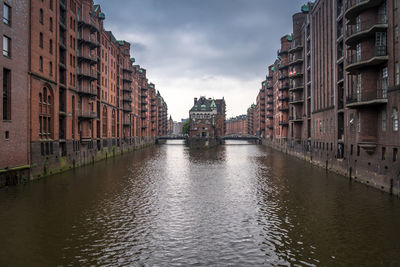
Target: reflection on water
236, 204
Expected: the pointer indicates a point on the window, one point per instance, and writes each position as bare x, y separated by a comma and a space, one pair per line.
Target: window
6, 94
397, 73
41, 16
358, 52
383, 153
396, 33
40, 63
395, 118
358, 123
45, 108
51, 24
51, 46
384, 82
7, 14
51, 4
358, 87
394, 154
41, 40
51, 68
6, 46
383, 120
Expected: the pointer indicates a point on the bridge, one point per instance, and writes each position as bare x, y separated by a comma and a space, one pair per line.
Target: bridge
173, 137
241, 137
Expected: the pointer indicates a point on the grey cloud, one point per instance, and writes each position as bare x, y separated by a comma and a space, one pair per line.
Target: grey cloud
204, 40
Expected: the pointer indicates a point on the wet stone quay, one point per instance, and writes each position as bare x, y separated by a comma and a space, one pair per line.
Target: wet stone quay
237, 204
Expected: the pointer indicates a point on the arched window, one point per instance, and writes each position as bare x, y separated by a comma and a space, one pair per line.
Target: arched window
104, 121
45, 113
395, 117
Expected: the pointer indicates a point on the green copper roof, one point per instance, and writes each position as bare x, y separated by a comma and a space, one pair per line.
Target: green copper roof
121, 42
289, 37
263, 84
102, 15
305, 8
133, 60
273, 68
279, 57
140, 71
213, 105
203, 106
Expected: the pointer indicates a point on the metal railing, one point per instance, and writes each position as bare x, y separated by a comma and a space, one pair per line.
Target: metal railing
86, 114
363, 26
378, 51
366, 96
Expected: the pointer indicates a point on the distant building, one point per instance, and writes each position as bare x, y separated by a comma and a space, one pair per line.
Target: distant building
207, 118
237, 125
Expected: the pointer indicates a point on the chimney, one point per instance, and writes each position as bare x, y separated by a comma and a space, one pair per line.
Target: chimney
195, 100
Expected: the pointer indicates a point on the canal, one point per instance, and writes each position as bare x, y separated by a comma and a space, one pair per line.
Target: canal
237, 204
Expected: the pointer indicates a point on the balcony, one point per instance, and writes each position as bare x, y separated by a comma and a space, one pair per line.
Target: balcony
143, 96
269, 77
270, 94
87, 74
298, 87
87, 23
296, 61
281, 52
284, 109
127, 89
363, 100
87, 115
295, 74
270, 101
296, 119
354, 7
86, 90
283, 86
127, 79
376, 57
296, 100
270, 109
296, 45
363, 30
127, 108
127, 99
86, 56
283, 123
127, 69
283, 98
283, 66
92, 42
282, 77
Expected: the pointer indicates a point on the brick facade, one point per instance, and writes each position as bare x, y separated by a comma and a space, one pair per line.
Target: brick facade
87, 99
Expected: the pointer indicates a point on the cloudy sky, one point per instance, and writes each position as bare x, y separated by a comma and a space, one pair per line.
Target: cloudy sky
215, 48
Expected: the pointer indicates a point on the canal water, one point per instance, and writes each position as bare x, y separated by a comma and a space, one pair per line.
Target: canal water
238, 204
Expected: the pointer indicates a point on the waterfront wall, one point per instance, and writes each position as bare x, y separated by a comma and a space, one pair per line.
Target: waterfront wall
45, 160
385, 178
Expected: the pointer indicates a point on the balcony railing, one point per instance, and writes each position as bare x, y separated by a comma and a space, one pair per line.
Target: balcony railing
86, 114
86, 73
87, 23
376, 56
353, 7
82, 55
86, 89
296, 45
364, 29
377, 97
296, 118
294, 100
88, 39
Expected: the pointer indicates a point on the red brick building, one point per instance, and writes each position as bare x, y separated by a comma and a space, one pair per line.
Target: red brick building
14, 104
333, 92
237, 125
87, 100
207, 118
